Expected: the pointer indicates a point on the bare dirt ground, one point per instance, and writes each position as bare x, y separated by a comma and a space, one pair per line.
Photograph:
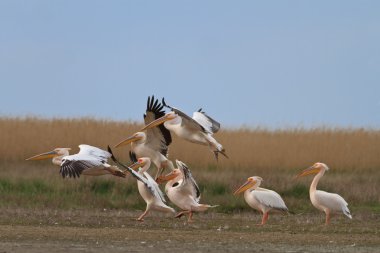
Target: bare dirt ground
36, 230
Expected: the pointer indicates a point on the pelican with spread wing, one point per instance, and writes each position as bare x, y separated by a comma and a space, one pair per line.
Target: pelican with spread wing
183, 191
153, 142
325, 201
261, 199
147, 186
90, 161
197, 129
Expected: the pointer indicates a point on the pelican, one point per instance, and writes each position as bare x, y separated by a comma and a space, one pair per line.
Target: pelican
197, 129
261, 199
148, 188
183, 191
90, 161
155, 141
325, 201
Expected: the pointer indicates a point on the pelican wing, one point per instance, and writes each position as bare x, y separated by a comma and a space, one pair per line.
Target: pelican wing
153, 187
146, 178
74, 165
187, 121
269, 198
189, 181
332, 201
95, 152
208, 123
158, 138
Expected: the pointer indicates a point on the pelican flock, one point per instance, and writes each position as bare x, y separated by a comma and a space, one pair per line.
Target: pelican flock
150, 146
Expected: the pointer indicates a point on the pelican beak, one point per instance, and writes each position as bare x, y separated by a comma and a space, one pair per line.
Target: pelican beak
136, 165
244, 187
127, 141
311, 170
159, 121
167, 177
43, 156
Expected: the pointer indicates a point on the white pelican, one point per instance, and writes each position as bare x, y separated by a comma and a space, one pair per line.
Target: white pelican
183, 191
90, 161
148, 188
154, 143
198, 129
325, 201
261, 199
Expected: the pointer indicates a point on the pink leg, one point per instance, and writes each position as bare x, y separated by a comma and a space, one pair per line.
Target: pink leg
327, 218
190, 219
141, 218
264, 219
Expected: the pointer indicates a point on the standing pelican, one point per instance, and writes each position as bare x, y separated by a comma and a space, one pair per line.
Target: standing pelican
325, 201
155, 141
198, 129
261, 199
148, 188
90, 161
183, 191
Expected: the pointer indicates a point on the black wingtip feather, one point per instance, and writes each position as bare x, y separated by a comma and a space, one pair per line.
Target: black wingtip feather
133, 157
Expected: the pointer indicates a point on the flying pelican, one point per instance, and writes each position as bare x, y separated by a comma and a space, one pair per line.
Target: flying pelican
183, 191
261, 199
198, 129
90, 161
325, 201
148, 188
154, 143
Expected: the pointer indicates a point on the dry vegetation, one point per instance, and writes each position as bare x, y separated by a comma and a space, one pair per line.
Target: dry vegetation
276, 155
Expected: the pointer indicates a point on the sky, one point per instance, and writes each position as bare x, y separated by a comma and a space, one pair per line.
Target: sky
246, 63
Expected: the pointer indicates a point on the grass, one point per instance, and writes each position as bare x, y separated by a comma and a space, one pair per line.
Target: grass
276, 155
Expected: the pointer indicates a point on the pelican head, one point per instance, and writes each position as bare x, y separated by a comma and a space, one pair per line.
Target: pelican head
252, 182
316, 168
141, 162
51, 154
167, 117
173, 174
139, 136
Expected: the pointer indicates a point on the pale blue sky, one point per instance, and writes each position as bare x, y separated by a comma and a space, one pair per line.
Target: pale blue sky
268, 63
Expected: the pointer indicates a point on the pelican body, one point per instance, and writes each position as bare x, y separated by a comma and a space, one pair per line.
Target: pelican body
261, 199
152, 143
90, 161
324, 201
147, 186
198, 129
183, 191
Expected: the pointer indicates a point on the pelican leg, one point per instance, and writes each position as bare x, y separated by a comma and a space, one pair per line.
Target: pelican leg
180, 214
190, 219
264, 219
328, 216
141, 218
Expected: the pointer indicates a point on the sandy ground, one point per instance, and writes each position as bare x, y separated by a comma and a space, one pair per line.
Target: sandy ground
30, 230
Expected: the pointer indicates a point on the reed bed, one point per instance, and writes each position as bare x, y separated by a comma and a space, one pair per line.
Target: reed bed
276, 155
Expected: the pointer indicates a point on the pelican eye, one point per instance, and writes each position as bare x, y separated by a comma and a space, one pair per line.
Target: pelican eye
175, 184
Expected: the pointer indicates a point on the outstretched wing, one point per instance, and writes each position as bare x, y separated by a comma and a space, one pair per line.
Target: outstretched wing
74, 165
189, 181
270, 198
153, 187
95, 152
187, 121
146, 179
158, 138
208, 123
88, 157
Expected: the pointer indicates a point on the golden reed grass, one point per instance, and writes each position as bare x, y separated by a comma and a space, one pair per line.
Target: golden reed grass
247, 148
276, 155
